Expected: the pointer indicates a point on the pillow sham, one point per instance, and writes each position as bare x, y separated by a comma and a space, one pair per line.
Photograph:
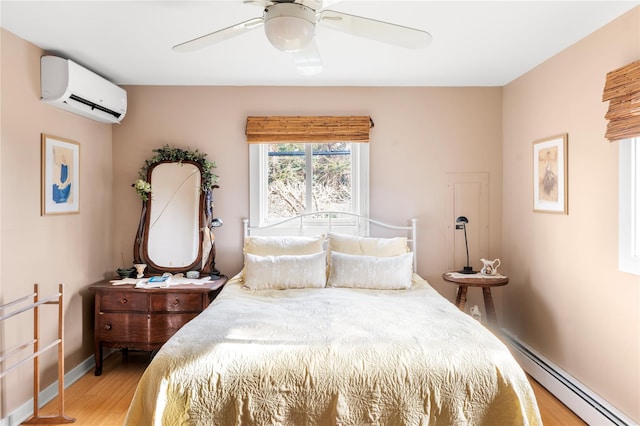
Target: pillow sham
281, 245
277, 246
285, 272
371, 272
367, 246
364, 246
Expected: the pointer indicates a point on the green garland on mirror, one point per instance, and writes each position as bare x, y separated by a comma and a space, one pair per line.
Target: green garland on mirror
168, 153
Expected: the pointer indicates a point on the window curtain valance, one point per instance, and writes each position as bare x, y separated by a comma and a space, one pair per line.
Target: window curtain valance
308, 129
622, 90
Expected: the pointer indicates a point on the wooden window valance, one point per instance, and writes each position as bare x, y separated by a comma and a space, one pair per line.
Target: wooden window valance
622, 90
308, 129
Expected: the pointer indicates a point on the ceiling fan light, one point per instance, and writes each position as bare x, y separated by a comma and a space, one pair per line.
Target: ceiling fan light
290, 27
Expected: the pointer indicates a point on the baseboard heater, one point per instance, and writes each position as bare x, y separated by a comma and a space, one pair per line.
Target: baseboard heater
581, 400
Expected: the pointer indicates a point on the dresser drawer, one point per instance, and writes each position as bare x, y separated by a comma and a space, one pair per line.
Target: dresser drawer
177, 302
163, 326
123, 301
121, 327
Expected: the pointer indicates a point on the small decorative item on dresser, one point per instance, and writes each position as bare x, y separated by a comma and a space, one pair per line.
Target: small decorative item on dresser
140, 267
125, 272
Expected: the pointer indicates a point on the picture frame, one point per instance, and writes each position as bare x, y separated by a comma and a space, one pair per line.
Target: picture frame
60, 175
550, 189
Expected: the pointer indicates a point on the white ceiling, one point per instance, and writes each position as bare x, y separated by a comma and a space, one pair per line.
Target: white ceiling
475, 43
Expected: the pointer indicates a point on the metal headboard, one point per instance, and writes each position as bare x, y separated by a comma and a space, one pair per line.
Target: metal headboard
331, 221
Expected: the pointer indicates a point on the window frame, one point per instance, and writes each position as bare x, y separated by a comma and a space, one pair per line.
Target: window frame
629, 206
258, 191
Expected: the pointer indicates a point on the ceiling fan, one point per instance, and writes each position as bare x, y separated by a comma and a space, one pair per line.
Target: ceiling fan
290, 27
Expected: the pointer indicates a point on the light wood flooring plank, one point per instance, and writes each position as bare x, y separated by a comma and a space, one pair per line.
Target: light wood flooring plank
552, 411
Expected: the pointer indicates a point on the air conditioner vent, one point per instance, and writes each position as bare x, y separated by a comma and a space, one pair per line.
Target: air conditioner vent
69, 86
94, 105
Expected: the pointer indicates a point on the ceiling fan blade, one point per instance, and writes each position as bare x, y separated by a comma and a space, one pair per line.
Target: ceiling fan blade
328, 3
384, 32
217, 36
307, 60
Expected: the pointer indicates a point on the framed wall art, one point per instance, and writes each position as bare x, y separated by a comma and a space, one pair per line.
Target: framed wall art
550, 174
60, 176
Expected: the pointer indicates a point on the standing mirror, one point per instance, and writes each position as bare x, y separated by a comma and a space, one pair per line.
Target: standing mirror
174, 234
173, 219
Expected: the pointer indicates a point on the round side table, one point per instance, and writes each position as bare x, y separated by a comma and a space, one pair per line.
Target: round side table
477, 280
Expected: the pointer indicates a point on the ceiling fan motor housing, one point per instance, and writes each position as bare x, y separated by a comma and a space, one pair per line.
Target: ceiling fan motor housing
290, 27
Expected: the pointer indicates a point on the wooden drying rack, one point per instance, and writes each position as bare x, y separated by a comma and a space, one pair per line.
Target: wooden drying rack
55, 299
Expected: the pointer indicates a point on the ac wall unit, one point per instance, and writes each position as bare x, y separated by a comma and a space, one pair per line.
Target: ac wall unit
71, 87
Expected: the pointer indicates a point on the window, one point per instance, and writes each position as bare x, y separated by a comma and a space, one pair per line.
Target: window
629, 206
287, 179
621, 89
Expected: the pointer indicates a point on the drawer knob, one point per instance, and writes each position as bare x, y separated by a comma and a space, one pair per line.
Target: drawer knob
107, 326
176, 302
124, 300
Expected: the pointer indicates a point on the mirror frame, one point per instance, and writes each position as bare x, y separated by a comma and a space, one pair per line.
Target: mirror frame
140, 248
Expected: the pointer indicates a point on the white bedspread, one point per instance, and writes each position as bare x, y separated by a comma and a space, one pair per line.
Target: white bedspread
333, 356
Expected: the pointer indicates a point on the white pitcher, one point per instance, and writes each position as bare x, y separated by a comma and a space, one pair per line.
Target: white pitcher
490, 267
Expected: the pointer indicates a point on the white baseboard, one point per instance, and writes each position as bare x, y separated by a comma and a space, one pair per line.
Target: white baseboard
580, 399
25, 411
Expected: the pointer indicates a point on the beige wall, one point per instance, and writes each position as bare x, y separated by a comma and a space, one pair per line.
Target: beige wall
418, 137
567, 298
75, 249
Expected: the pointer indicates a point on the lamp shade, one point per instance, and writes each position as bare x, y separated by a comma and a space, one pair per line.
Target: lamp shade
290, 27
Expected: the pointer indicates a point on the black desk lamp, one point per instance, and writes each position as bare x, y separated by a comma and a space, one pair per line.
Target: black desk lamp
215, 223
461, 223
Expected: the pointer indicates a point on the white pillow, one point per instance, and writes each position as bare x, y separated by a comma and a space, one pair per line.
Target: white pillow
367, 246
277, 246
372, 272
284, 272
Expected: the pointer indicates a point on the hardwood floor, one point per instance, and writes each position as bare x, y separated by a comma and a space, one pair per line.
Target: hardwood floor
104, 400
553, 412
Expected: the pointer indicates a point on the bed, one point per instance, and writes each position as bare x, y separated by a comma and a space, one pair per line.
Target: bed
353, 337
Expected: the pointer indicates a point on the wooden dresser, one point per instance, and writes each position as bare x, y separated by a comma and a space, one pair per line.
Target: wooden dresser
128, 317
